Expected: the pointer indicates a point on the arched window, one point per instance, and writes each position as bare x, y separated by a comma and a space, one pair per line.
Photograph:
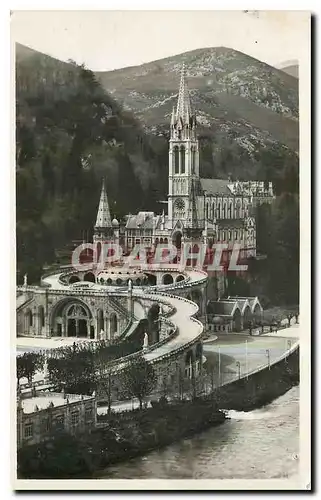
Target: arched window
230, 211
41, 313
207, 210
224, 211
113, 325
176, 160
213, 211
235, 234
193, 160
218, 211
182, 160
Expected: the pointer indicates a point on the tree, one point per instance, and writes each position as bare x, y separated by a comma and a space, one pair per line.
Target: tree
139, 379
28, 364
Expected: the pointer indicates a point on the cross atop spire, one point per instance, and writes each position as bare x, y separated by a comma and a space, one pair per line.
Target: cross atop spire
103, 215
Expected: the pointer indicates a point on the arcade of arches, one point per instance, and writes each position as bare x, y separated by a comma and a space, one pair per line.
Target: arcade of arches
74, 319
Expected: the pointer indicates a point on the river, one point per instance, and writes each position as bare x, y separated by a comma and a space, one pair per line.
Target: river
261, 444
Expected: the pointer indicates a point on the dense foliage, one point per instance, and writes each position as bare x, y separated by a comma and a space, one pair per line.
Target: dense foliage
82, 368
70, 134
139, 379
28, 364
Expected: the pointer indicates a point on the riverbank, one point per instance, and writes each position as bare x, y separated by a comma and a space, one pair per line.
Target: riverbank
120, 437
126, 435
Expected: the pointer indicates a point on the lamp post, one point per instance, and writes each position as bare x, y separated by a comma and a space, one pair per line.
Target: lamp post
238, 364
268, 357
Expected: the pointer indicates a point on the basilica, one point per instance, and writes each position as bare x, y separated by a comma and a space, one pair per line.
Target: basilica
199, 210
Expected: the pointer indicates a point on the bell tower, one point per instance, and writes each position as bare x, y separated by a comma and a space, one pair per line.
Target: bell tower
183, 157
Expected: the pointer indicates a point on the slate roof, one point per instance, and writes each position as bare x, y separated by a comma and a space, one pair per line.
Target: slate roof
223, 307
230, 223
142, 220
216, 186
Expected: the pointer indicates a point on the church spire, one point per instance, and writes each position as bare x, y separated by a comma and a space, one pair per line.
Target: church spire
103, 215
184, 110
183, 120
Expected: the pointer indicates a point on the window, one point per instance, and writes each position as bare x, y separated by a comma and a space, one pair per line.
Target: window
235, 235
89, 414
60, 422
29, 430
182, 160
176, 160
74, 418
45, 425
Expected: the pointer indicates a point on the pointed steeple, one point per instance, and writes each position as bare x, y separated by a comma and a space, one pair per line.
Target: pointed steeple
103, 215
184, 110
183, 121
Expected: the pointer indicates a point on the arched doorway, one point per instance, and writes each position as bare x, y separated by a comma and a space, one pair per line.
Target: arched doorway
257, 313
28, 320
41, 319
237, 320
77, 321
177, 239
90, 277
247, 316
100, 321
113, 325
151, 279
167, 279
71, 318
73, 279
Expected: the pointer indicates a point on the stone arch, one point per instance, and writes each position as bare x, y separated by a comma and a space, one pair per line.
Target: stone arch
90, 277
64, 321
167, 279
41, 318
73, 279
179, 278
257, 313
28, 320
247, 316
100, 320
237, 320
113, 325
152, 280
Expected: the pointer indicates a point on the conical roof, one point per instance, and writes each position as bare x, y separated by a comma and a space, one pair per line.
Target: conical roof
184, 109
103, 214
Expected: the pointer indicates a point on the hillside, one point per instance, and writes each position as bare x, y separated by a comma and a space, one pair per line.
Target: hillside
292, 70
69, 134
72, 130
290, 67
231, 92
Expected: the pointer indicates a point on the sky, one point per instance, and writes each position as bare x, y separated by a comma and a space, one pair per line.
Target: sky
106, 40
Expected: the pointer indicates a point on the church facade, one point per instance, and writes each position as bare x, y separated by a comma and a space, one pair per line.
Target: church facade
199, 210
